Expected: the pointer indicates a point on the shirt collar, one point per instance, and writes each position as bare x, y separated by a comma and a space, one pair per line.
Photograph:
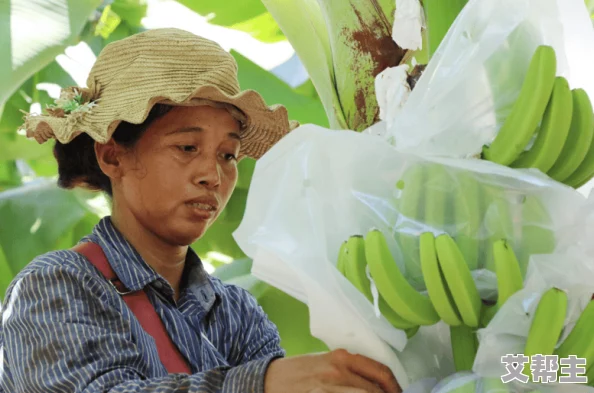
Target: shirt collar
135, 273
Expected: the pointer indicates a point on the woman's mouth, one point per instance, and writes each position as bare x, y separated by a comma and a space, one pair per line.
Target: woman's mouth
202, 206
202, 211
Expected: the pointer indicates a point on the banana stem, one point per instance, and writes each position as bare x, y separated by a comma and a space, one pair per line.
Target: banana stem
464, 346
439, 17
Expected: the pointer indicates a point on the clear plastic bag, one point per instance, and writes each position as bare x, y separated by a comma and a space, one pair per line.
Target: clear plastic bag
570, 268
317, 187
471, 82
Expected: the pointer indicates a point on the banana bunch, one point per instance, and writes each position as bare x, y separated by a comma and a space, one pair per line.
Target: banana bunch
451, 293
550, 126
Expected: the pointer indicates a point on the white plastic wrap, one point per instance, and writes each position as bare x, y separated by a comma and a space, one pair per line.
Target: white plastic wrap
317, 187
476, 74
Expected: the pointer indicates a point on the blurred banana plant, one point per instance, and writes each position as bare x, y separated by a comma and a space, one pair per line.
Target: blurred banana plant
34, 32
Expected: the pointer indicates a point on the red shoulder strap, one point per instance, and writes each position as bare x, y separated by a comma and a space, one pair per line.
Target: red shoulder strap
140, 305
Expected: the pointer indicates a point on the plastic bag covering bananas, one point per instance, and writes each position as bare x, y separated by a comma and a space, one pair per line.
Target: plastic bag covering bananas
343, 44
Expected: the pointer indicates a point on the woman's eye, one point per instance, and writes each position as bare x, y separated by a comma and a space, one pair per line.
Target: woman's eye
187, 148
230, 157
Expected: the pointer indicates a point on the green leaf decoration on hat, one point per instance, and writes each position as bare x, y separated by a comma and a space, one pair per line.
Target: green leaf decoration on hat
70, 101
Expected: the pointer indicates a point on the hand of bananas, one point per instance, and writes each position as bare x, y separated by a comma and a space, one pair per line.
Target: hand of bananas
550, 126
452, 296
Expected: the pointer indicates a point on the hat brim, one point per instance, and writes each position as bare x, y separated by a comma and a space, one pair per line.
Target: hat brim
265, 125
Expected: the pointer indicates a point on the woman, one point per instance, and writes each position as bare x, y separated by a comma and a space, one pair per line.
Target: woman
160, 129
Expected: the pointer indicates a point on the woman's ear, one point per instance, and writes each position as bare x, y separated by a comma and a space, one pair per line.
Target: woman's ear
109, 157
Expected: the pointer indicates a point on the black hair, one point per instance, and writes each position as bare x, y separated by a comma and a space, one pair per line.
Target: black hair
77, 163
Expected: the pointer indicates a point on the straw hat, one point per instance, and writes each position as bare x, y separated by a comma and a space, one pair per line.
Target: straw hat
169, 66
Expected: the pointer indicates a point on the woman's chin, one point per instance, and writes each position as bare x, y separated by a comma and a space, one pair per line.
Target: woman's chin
185, 236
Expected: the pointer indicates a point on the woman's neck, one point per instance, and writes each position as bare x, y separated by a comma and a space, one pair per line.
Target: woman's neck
166, 259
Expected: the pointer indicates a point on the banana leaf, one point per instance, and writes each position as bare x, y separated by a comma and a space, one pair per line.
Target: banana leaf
35, 218
33, 33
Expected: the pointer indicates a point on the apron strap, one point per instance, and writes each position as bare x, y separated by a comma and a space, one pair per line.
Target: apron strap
141, 307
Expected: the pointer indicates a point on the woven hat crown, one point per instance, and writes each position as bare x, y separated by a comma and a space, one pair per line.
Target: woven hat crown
172, 56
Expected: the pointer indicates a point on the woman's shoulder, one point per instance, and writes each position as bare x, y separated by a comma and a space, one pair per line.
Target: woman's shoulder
56, 268
62, 260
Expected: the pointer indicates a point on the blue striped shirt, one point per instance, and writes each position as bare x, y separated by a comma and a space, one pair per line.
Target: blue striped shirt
64, 329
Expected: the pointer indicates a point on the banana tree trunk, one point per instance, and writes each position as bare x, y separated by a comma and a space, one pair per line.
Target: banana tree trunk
362, 46
343, 45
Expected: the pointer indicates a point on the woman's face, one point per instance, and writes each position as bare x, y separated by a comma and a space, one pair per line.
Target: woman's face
181, 173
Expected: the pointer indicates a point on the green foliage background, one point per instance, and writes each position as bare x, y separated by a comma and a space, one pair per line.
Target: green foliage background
36, 216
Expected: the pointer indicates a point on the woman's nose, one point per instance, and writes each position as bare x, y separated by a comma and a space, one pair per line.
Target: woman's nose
208, 173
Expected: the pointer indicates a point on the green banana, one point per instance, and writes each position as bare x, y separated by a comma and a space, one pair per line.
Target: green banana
439, 17
435, 282
509, 277
579, 139
459, 280
528, 109
393, 286
355, 265
546, 326
410, 207
584, 172
464, 346
580, 342
410, 332
467, 213
342, 255
536, 237
553, 131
